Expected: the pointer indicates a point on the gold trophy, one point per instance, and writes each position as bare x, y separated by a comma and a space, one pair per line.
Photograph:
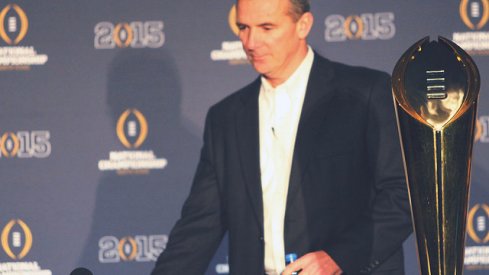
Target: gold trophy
435, 87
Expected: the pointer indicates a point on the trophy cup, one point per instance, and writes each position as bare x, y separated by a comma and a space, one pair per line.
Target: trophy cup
435, 87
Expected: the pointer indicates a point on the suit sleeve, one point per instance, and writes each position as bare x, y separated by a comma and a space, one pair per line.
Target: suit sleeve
197, 234
383, 228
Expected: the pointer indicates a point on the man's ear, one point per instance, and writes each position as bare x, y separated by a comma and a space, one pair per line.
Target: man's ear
304, 25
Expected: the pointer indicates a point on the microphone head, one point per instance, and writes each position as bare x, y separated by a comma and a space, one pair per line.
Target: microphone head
81, 271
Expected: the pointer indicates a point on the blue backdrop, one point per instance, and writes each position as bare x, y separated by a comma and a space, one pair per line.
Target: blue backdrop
102, 107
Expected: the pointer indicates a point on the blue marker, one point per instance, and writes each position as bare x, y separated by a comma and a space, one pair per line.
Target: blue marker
289, 258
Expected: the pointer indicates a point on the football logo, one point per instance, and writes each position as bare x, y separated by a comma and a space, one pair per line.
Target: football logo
132, 128
14, 33
128, 249
232, 20
11, 239
354, 27
477, 224
474, 16
9, 144
123, 35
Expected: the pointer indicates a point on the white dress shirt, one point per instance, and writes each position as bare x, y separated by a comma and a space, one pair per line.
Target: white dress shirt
279, 113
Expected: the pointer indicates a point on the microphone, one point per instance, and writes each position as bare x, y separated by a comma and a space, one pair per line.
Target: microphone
81, 271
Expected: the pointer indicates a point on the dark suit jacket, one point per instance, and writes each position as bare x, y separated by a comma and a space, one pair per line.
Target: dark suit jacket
347, 193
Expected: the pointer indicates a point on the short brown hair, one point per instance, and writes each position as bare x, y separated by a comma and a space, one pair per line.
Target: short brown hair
298, 8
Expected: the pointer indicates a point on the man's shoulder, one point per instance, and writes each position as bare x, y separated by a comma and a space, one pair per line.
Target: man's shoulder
238, 98
346, 73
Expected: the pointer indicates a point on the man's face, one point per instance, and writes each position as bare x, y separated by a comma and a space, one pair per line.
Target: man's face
271, 37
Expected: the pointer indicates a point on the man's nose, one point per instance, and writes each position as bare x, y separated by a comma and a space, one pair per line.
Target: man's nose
251, 40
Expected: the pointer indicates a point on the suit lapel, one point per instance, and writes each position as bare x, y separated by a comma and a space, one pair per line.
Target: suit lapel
247, 124
318, 93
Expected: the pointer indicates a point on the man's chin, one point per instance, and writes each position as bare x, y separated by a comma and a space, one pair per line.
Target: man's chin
260, 69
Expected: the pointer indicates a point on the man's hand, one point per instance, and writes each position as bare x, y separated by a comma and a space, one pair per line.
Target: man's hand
314, 263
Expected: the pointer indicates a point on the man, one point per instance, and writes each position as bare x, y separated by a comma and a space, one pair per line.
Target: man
303, 160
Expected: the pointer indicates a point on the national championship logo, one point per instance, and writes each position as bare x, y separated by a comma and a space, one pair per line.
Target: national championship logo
16, 240
474, 15
14, 25
477, 227
231, 51
132, 131
477, 249
17, 24
132, 128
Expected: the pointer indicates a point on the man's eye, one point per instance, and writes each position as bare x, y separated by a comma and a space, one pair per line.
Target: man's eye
241, 27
